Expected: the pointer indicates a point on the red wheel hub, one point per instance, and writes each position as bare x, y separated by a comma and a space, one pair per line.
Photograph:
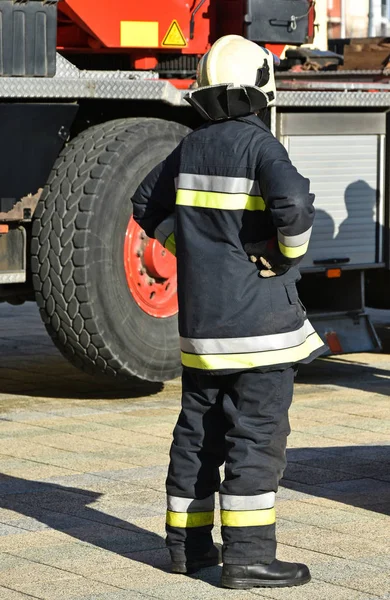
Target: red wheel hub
150, 272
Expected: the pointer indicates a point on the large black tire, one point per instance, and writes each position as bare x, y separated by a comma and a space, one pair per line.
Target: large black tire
77, 252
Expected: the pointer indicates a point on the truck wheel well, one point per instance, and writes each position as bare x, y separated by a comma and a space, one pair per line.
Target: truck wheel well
94, 112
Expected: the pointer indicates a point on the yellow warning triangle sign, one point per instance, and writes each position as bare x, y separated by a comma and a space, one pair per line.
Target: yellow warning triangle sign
174, 36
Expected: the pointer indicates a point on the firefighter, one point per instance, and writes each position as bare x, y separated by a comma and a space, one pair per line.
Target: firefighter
238, 215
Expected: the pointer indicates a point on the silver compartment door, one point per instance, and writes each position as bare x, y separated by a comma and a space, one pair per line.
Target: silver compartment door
345, 175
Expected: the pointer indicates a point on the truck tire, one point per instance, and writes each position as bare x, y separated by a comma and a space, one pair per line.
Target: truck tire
106, 293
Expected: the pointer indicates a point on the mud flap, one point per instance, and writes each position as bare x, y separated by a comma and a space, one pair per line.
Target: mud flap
346, 333
13, 256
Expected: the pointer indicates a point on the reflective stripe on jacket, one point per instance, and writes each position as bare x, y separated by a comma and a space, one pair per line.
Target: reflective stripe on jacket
228, 184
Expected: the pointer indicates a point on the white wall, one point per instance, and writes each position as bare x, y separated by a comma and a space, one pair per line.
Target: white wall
357, 17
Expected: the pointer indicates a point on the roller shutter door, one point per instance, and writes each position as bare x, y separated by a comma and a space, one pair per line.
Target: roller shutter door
345, 176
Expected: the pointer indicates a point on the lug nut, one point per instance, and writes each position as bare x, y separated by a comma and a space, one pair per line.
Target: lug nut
142, 271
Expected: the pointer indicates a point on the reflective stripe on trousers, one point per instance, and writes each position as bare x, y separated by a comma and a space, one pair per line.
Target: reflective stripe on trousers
236, 511
190, 512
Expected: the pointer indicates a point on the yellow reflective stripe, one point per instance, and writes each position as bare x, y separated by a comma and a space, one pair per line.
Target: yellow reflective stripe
219, 200
170, 244
252, 359
197, 519
291, 252
248, 518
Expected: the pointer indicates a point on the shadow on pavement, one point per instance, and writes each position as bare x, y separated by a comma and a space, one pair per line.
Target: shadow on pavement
346, 373
353, 475
53, 377
66, 509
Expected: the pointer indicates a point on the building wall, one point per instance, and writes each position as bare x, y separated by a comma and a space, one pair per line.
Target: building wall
357, 18
356, 25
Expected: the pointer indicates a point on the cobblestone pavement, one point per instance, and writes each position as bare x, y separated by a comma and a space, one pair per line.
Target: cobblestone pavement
82, 487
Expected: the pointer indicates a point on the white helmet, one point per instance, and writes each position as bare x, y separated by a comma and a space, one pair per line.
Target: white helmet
239, 62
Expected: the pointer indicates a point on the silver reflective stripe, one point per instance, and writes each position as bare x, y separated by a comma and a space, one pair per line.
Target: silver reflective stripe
164, 230
294, 241
261, 343
190, 505
260, 502
218, 183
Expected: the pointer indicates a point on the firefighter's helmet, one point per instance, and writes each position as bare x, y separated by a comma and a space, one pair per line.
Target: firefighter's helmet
235, 78
237, 61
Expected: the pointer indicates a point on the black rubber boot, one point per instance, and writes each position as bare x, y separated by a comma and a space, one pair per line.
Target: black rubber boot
277, 574
192, 565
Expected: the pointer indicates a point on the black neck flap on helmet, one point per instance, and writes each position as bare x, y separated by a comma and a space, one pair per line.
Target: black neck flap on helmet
225, 101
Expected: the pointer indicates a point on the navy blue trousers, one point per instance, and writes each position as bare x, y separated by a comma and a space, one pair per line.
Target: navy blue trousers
240, 420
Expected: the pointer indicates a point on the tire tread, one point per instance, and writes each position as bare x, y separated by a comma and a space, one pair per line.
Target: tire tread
60, 236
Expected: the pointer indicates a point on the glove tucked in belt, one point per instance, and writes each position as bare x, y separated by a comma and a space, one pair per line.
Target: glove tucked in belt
267, 253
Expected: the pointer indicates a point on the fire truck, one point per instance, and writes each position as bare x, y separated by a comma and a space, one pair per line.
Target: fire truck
92, 98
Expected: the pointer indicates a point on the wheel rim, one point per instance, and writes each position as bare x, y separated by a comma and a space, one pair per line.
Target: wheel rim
150, 272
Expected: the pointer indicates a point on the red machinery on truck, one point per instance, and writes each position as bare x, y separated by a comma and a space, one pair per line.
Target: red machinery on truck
82, 126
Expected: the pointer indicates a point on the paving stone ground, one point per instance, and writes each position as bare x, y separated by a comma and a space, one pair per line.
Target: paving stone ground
82, 480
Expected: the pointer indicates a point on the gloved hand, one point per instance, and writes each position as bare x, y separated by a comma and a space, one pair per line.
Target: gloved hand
267, 253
